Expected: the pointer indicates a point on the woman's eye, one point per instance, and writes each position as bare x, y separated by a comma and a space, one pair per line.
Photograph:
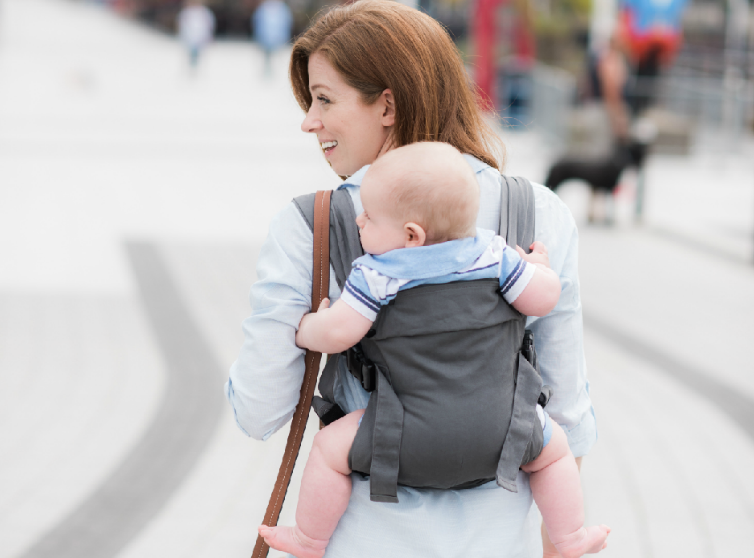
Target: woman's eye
322, 99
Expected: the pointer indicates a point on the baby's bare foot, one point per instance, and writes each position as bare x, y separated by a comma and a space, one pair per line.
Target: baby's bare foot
293, 541
587, 540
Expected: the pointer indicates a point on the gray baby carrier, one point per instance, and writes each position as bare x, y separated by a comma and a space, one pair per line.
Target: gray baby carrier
451, 371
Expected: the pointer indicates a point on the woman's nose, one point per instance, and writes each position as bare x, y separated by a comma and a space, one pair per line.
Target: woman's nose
311, 123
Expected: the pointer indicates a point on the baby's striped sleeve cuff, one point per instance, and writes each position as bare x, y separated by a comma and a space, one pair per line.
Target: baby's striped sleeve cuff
517, 280
360, 300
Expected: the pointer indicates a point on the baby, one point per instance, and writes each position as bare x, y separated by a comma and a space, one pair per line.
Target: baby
420, 207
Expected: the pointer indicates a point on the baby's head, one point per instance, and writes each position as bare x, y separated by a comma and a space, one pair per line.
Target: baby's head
422, 193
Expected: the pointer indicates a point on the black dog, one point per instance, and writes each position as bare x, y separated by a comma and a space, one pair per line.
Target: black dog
601, 174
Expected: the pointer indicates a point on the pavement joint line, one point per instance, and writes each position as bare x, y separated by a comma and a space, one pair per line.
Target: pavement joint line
135, 492
734, 403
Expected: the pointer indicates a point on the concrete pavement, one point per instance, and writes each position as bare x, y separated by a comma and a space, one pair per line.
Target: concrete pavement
109, 149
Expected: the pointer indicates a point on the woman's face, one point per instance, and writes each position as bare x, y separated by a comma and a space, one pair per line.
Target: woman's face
350, 133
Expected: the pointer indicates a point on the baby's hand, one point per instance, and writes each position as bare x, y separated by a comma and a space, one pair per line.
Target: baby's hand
538, 254
308, 322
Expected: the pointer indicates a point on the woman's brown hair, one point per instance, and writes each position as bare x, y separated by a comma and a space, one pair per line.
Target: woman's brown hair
380, 44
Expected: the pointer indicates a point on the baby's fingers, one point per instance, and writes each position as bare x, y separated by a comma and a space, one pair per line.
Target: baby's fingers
520, 251
324, 304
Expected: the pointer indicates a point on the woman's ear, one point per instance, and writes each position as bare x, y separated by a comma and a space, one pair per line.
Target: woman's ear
388, 113
415, 235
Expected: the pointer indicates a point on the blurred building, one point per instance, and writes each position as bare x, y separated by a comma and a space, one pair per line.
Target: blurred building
534, 64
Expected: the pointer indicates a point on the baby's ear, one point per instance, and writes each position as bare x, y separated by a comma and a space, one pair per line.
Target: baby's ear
415, 235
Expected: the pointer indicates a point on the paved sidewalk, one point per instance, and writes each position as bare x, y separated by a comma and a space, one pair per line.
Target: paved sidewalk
126, 180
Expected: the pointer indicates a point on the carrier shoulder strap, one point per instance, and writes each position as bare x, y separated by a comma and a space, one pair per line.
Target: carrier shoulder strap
320, 287
345, 244
517, 211
517, 225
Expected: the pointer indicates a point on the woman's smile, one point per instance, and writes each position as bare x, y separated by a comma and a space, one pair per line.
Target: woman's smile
328, 147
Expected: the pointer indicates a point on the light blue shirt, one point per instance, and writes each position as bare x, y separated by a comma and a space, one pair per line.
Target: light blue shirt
265, 381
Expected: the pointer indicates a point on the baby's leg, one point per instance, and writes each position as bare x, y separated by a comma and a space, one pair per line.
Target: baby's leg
325, 492
555, 484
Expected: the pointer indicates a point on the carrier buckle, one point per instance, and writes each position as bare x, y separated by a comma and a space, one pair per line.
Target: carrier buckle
361, 368
544, 396
527, 348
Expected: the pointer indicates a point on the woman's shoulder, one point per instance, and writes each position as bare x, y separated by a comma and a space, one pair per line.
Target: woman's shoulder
547, 205
289, 238
291, 217
550, 208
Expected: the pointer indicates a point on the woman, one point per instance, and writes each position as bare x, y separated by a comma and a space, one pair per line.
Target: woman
371, 76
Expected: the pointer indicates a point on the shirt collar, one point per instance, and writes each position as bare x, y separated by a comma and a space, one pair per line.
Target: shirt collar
355, 179
435, 260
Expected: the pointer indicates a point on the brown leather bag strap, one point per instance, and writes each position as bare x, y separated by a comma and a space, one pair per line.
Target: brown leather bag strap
320, 289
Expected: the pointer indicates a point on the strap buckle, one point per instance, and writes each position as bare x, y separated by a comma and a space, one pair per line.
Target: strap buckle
527, 348
544, 396
530, 354
361, 367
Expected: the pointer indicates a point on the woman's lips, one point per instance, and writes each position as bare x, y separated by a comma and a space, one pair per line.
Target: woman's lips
328, 146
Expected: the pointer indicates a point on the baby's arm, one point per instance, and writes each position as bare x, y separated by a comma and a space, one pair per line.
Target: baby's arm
332, 330
541, 294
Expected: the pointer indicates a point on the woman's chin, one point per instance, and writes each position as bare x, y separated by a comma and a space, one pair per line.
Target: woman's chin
338, 168
341, 170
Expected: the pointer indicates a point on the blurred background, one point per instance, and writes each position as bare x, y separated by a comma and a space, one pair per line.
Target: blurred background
146, 144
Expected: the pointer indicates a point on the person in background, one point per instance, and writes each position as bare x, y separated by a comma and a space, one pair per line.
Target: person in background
196, 28
271, 24
610, 79
651, 32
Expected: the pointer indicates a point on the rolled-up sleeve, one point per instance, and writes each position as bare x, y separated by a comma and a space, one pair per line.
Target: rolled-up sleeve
559, 336
264, 382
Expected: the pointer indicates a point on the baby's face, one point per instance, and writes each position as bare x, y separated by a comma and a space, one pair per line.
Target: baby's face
380, 229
